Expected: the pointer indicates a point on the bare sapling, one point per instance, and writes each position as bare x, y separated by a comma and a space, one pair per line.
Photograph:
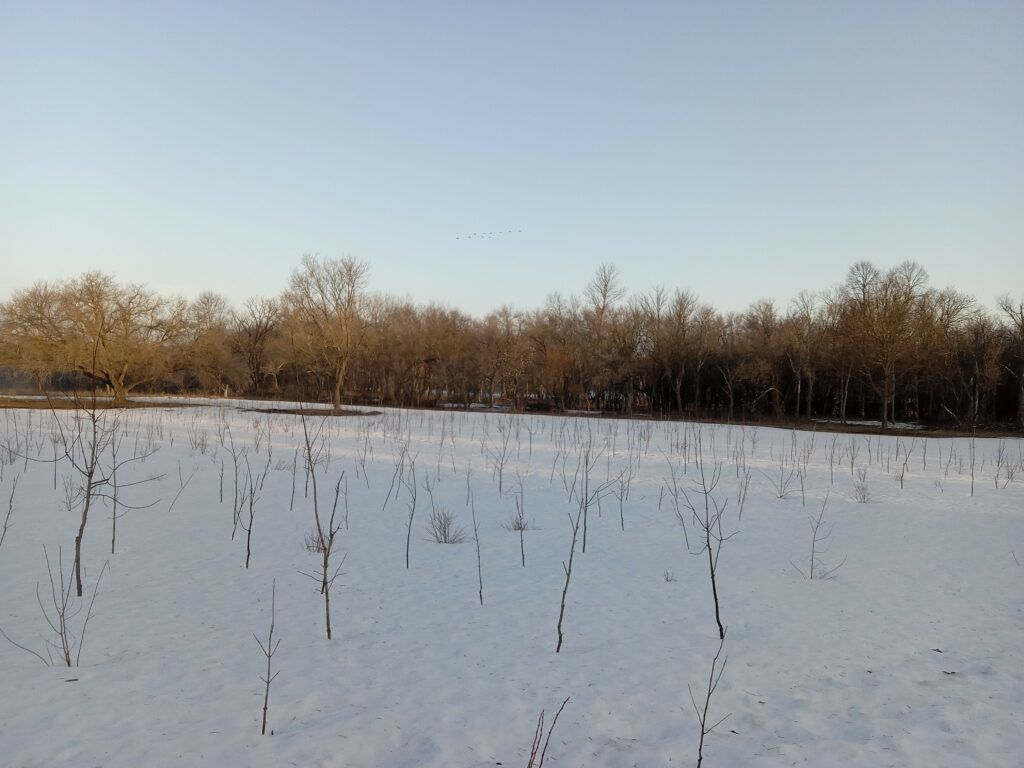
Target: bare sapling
411, 487
623, 493
249, 500
852, 450
592, 494
89, 434
902, 473
708, 518
344, 495
268, 652
183, 484
65, 645
833, 458
974, 457
861, 492
703, 710
10, 511
114, 514
674, 492
1001, 461
367, 451
567, 567
821, 542
295, 467
538, 751
237, 502
398, 475
325, 531
1010, 469
499, 454
744, 488
783, 484
520, 524
476, 540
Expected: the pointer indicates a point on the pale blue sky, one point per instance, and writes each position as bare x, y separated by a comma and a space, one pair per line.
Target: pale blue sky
738, 149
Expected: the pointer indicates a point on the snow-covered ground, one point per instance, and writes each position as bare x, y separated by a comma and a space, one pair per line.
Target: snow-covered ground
912, 655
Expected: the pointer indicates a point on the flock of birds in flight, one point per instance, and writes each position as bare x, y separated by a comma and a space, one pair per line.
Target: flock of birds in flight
488, 235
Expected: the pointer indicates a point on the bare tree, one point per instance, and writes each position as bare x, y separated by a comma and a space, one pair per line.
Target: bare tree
702, 710
1014, 311
250, 497
411, 487
537, 750
783, 485
10, 510
206, 344
821, 542
881, 341
708, 516
254, 326
118, 336
326, 531
519, 523
324, 300
65, 645
268, 652
567, 567
476, 539
85, 439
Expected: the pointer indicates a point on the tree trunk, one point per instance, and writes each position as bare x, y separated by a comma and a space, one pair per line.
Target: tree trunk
974, 396
845, 396
120, 393
892, 391
777, 407
81, 535
339, 384
885, 399
1020, 400
696, 392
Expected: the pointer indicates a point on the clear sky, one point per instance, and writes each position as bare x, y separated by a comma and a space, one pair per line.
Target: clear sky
742, 150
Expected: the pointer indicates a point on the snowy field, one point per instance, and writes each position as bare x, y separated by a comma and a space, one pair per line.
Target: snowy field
911, 654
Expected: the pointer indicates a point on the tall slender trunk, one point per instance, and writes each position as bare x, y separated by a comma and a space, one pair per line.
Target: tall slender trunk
885, 401
1020, 401
696, 390
974, 396
339, 384
892, 391
845, 395
86, 504
777, 407
729, 393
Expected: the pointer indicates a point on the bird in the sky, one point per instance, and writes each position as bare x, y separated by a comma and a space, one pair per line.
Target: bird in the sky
488, 235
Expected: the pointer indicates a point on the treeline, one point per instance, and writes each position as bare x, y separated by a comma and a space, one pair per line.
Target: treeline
880, 345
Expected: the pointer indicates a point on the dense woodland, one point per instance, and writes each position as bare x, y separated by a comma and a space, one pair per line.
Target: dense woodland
880, 345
